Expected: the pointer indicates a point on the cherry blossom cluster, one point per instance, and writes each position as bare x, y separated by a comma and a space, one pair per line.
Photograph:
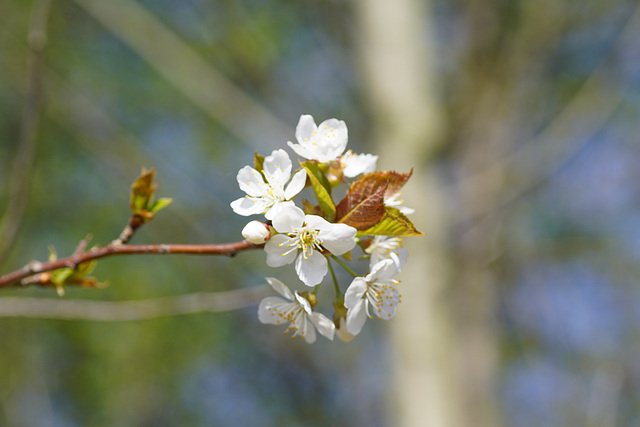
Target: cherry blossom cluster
312, 236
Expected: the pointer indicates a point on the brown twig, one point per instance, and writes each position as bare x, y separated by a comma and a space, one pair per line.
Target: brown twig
18, 277
135, 222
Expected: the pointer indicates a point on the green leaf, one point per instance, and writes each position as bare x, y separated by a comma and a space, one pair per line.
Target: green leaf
322, 188
313, 169
160, 204
394, 223
258, 161
83, 269
60, 276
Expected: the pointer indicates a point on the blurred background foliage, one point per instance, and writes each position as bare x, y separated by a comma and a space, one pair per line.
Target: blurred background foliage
536, 155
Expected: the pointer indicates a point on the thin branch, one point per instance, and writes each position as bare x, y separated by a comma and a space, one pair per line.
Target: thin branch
135, 222
110, 311
25, 155
23, 276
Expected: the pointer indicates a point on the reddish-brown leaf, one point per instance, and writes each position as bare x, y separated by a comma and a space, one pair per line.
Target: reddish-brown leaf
310, 209
367, 212
368, 185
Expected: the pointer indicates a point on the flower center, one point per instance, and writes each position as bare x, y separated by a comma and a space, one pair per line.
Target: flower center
384, 245
274, 194
307, 240
290, 313
378, 295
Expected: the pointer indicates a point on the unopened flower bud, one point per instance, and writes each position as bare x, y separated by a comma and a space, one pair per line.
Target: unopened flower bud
256, 232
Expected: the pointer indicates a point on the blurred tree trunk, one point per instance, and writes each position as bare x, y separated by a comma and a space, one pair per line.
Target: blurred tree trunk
443, 366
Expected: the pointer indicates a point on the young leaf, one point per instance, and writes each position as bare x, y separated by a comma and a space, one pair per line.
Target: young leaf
142, 190
258, 161
367, 185
394, 223
160, 204
142, 204
322, 188
59, 277
310, 209
365, 214
313, 169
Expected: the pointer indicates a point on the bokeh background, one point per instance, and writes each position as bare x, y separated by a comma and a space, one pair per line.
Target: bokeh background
520, 117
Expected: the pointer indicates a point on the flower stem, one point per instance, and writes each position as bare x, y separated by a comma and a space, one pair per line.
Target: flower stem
335, 282
315, 290
343, 265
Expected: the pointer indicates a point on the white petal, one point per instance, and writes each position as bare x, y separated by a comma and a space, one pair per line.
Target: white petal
324, 325
403, 255
251, 182
246, 206
355, 292
386, 312
338, 238
400, 257
304, 303
388, 308
269, 308
316, 222
301, 151
358, 164
296, 185
280, 287
356, 316
304, 129
277, 168
405, 210
276, 248
288, 219
307, 330
383, 270
331, 139
312, 269
277, 208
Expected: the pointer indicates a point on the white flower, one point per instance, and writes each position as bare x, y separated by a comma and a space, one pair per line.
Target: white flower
304, 238
386, 247
323, 143
356, 164
271, 196
378, 290
256, 232
393, 201
296, 310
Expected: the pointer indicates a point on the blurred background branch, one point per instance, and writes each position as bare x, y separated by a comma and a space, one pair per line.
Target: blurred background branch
29, 126
112, 311
544, 154
180, 65
519, 306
